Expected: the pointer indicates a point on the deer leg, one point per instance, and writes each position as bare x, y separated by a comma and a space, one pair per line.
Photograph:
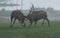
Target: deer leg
30, 23
19, 21
48, 22
43, 22
23, 23
35, 23
13, 23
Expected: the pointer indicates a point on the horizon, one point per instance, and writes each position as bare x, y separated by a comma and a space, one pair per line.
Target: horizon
14, 8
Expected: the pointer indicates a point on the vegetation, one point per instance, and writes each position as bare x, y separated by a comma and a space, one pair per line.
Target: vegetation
39, 32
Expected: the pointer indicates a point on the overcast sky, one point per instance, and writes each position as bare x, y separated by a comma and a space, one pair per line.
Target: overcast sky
39, 3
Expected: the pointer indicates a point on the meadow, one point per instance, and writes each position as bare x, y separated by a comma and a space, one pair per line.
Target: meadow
39, 32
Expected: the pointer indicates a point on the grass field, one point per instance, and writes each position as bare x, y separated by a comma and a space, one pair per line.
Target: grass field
38, 32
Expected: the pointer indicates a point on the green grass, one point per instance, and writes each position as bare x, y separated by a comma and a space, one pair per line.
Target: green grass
38, 32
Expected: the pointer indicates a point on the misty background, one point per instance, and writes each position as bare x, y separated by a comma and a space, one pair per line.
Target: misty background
51, 6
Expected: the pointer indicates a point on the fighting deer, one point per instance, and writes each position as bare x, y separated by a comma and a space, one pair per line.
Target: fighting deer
34, 16
17, 14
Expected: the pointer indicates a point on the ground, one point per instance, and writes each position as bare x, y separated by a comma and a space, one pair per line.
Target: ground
39, 32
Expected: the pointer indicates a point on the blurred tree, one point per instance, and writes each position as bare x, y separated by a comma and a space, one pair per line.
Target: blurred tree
3, 9
3, 0
5, 3
50, 9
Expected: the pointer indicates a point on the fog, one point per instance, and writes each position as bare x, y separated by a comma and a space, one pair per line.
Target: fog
51, 6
